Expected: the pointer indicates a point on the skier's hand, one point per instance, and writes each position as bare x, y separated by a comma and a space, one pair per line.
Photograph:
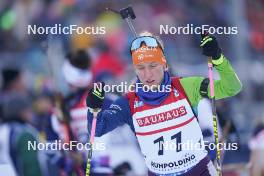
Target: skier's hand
210, 47
95, 97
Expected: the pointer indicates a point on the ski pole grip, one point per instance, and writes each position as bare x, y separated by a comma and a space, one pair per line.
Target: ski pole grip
127, 13
94, 111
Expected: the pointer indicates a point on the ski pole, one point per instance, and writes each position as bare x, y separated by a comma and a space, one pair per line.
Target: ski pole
212, 97
89, 158
128, 15
215, 125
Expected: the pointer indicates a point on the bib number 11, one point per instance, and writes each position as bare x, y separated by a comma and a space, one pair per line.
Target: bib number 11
160, 142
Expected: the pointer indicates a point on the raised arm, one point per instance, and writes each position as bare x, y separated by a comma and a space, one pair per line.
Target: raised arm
228, 85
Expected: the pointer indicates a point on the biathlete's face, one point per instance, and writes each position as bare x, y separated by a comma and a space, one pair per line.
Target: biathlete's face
148, 60
150, 73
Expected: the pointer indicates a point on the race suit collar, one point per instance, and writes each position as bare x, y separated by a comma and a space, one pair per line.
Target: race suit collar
155, 97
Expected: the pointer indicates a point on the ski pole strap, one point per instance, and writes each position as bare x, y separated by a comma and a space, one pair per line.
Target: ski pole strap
204, 88
218, 61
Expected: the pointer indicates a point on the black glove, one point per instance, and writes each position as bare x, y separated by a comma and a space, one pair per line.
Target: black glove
210, 47
95, 97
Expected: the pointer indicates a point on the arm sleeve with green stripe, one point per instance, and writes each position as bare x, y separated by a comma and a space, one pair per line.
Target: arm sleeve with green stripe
228, 85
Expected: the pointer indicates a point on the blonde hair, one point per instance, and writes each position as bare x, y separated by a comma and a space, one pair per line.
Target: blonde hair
147, 33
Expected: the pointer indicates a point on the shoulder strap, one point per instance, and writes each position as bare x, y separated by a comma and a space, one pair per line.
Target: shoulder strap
177, 84
131, 99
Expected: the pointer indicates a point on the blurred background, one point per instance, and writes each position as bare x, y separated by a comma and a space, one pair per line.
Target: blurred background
32, 72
